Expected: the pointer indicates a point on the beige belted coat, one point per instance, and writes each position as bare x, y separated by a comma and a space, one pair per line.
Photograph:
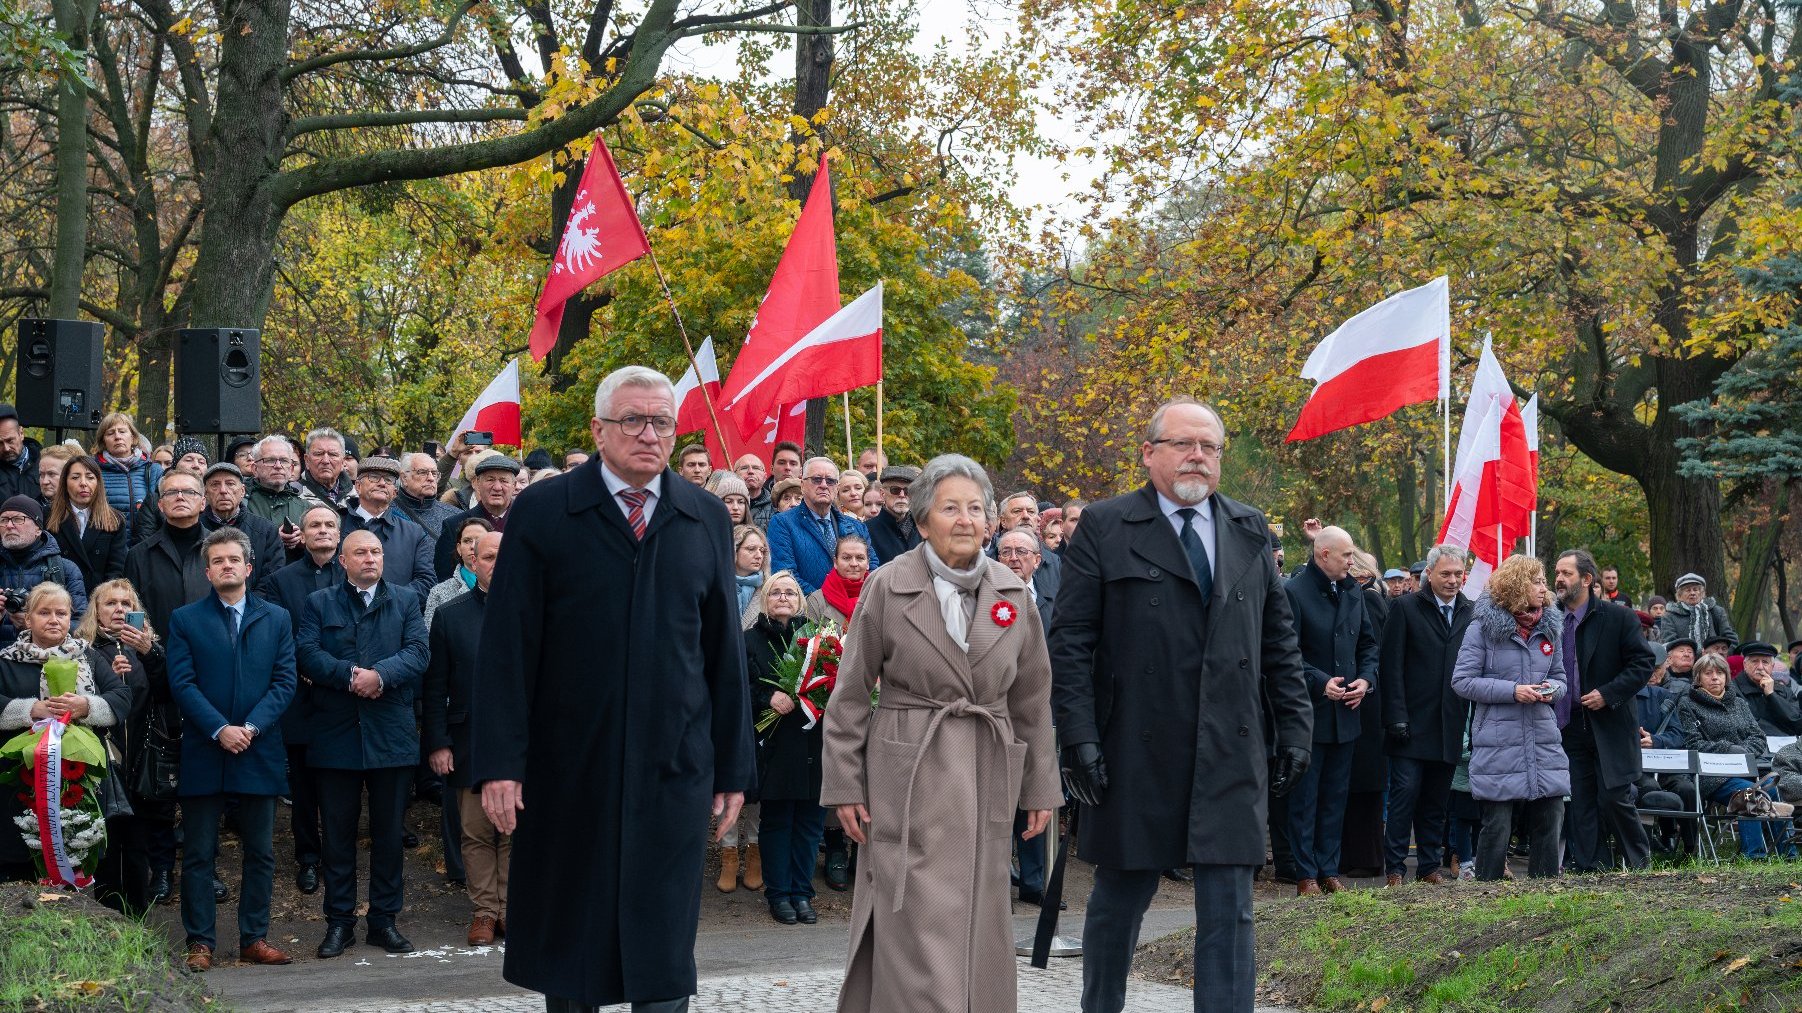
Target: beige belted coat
958, 742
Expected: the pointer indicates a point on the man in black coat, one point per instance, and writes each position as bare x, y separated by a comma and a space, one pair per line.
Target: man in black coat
1339, 658
1607, 661
224, 486
363, 646
492, 488
1423, 718
892, 531
611, 634
317, 569
166, 569
19, 456
449, 681
406, 548
1171, 645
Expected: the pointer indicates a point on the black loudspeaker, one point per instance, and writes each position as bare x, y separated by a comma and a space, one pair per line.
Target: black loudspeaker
218, 380
59, 374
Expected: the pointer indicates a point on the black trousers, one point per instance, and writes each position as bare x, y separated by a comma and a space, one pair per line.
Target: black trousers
1597, 811
340, 807
1542, 817
1420, 796
256, 825
1225, 964
553, 1005
303, 791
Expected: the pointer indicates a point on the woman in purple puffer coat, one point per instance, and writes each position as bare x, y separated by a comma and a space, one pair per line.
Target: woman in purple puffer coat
1511, 666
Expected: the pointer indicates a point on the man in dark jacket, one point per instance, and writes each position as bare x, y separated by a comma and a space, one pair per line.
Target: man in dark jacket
1424, 720
892, 531
323, 474
603, 903
290, 588
225, 508
363, 646
449, 679
493, 488
1171, 647
167, 569
406, 548
1339, 658
231, 671
1607, 661
749, 467
29, 556
418, 495
1770, 694
19, 456
1694, 615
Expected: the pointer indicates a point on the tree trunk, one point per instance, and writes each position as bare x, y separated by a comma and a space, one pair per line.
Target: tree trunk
1783, 609
1760, 551
235, 264
1407, 486
70, 256
813, 81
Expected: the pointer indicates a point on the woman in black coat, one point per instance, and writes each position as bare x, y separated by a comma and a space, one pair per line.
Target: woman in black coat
792, 821
89, 531
140, 847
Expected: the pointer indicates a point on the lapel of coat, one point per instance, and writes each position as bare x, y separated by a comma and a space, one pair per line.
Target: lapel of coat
672, 499
1153, 540
1586, 645
998, 584
586, 490
1239, 547
910, 578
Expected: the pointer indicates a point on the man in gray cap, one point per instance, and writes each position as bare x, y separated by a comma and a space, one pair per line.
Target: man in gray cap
1694, 615
892, 531
223, 485
406, 547
1396, 579
492, 492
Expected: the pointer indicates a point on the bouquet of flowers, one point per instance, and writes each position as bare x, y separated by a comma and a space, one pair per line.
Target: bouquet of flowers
55, 770
807, 672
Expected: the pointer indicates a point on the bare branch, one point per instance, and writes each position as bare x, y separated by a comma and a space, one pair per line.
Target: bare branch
323, 60
351, 121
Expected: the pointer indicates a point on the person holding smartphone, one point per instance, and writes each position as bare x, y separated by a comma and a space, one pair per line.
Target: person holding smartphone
1511, 667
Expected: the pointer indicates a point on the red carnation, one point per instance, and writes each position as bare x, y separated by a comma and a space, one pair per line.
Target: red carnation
74, 770
73, 795
24, 797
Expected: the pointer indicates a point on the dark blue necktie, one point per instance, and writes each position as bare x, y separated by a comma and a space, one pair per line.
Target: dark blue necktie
1446, 610
232, 621
1198, 554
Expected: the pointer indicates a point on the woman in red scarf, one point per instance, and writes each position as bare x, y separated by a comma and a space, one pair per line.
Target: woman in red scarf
837, 597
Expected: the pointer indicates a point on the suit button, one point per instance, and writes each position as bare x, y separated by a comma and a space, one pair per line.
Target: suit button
1238, 595
1154, 601
1153, 574
1244, 662
1144, 736
1244, 731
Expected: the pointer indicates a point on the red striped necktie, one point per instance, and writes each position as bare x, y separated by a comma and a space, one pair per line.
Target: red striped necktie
635, 500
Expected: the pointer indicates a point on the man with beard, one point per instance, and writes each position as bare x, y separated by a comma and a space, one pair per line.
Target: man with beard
1607, 662
892, 531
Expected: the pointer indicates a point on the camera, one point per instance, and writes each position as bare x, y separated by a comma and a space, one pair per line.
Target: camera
13, 598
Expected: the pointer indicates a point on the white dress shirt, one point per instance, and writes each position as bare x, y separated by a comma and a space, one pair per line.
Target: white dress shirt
1204, 525
617, 485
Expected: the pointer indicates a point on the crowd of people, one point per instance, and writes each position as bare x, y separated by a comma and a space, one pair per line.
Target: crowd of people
295, 623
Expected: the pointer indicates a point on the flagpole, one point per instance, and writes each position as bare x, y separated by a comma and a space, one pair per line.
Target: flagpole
687, 346
881, 451
850, 461
1445, 457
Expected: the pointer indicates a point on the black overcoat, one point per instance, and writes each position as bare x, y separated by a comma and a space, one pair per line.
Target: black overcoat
788, 767
449, 678
1336, 641
289, 588
1612, 657
1176, 693
99, 555
611, 683
350, 732
1417, 657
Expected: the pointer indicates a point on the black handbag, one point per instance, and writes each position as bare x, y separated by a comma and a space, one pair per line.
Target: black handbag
158, 773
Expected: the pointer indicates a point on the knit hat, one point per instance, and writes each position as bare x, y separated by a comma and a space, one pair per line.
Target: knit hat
727, 484
539, 459
24, 505
185, 445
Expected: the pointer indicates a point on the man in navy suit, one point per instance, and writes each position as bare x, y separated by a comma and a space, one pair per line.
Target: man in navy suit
231, 671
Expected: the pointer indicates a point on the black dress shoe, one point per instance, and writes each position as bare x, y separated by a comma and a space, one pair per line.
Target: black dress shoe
337, 937
162, 887
306, 880
409, 840
838, 870
784, 912
389, 938
805, 912
220, 890
1037, 899
1179, 875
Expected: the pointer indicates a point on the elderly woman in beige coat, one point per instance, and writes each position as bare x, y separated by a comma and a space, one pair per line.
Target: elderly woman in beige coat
928, 781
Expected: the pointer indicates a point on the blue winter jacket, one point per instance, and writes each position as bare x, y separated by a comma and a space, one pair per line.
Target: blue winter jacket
799, 546
130, 483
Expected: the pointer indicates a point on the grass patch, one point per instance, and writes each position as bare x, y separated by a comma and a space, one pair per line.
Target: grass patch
1718, 940
73, 954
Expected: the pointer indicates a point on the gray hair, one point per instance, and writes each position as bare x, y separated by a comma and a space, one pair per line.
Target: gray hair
1021, 494
227, 535
628, 376
323, 433
406, 460
829, 462
921, 492
1714, 661
1439, 552
271, 438
1155, 428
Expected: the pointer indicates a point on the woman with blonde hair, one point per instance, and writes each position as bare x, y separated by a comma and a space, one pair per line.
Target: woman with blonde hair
1511, 667
130, 475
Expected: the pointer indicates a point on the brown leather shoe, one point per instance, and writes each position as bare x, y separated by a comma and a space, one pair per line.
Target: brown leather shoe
1392, 880
1432, 877
481, 931
200, 957
260, 952
1332, 884
1307, 888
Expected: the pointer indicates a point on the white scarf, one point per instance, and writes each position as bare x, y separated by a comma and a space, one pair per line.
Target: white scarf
956, 591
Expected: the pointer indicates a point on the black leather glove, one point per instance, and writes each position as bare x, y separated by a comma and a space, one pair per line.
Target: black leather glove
1085, 775
1398, 733
1291, 764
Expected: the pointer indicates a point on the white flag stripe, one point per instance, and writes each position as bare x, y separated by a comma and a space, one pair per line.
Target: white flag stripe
1489, 386
503, 389
1406, 319
860, 319
710, 371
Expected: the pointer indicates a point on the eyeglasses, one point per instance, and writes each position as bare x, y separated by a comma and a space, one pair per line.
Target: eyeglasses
179, 494
15, 521
822, 480
899, 491
1017, 553
1187, 447
285, 462
422, 472
632, 425
376, 478
783, 594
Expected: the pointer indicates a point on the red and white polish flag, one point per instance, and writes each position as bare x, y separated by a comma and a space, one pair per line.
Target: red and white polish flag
843, 353
602, 235
1394, 354
496, 409
693, 392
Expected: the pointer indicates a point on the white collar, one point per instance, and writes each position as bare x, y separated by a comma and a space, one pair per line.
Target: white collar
367, 516
617, 485
1204, 511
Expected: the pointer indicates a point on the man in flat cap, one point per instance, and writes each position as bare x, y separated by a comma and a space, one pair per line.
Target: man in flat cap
1770, 694
492, 488
1694, 614
406, 547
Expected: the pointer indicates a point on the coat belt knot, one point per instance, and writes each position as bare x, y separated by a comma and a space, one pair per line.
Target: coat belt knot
994, 712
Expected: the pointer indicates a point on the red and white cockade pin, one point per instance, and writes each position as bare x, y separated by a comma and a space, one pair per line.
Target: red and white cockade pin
1545, 648
1004, 614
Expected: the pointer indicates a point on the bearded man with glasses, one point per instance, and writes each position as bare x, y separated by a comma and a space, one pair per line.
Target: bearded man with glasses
803, 538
